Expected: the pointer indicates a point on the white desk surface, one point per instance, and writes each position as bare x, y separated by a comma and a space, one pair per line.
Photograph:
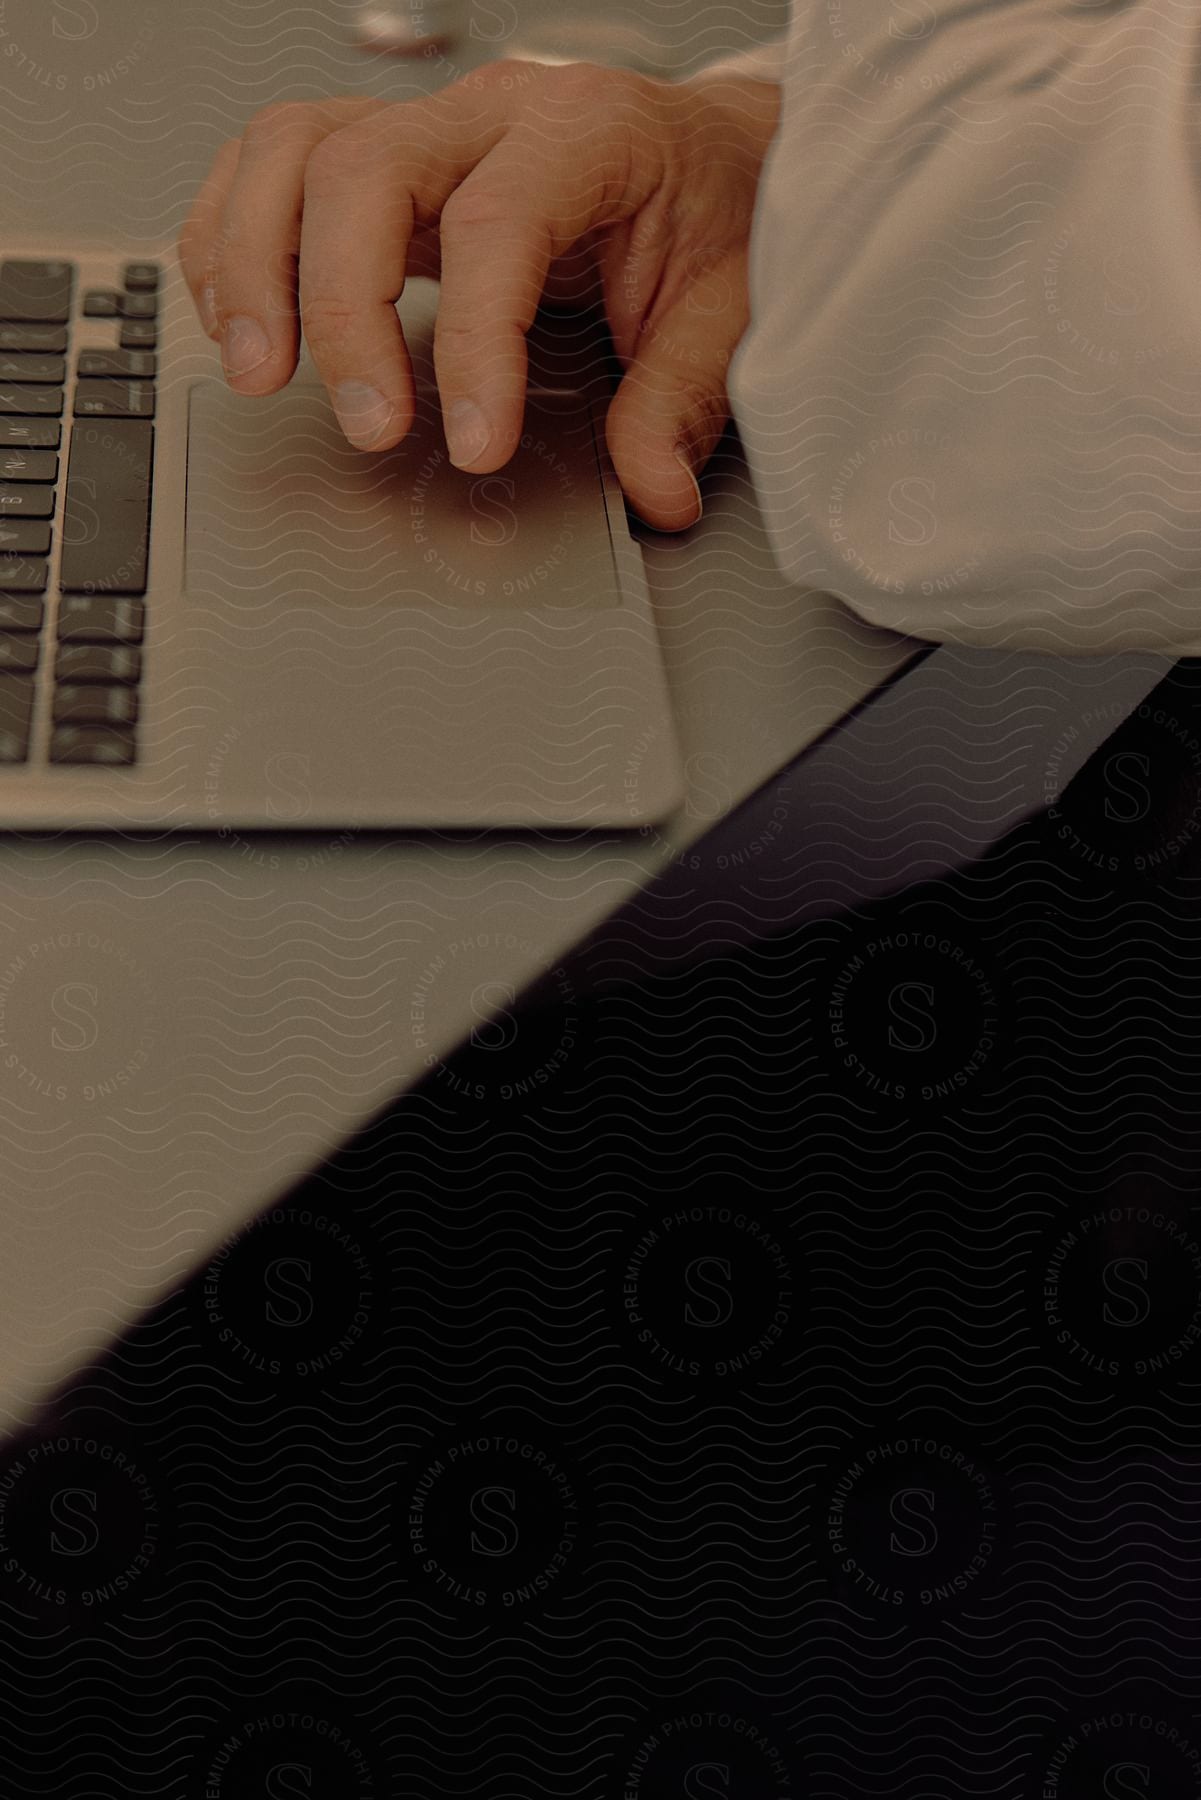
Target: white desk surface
309, 951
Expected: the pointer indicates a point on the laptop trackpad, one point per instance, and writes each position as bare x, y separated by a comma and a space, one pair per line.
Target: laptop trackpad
281, 510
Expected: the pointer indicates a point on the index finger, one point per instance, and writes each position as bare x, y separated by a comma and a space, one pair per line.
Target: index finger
199, 229
238, 245
367, 189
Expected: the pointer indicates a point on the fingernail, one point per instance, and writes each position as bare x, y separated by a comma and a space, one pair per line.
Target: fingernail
684, 462
244, 348
468, 433
363, 413
208, 308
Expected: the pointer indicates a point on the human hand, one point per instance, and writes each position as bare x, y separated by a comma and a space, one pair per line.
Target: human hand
523, 184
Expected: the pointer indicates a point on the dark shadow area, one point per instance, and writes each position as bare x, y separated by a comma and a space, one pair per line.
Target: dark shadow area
775, 1375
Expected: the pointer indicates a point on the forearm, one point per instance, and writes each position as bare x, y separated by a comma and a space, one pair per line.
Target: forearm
968, 395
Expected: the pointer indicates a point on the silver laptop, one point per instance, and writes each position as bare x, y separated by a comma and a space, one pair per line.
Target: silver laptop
214, 613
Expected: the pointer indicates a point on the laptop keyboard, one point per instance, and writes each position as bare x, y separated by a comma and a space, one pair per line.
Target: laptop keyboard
86, 633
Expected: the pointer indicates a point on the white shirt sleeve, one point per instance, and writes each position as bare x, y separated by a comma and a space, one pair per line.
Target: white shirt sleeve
970, 393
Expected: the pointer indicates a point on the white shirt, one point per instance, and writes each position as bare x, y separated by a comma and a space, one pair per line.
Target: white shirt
970, 393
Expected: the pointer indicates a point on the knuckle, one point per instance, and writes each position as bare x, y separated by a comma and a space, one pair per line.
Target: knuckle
697, 394
507, 76
472, 208
335, 163
581, 80
700, 406
495, 74
596, 86
458, 337
326, 319
282, 119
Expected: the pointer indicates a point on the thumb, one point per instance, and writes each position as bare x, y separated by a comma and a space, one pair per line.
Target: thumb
670, 410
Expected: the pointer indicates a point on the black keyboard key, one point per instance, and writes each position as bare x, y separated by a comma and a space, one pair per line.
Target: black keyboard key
16, 711
141, 276
28, 465
102, 303
89, 705
50, 340
104, 663
92, 744
30, 434
106, 522
107, 303
19, 655
37, 293
114, 400
27, 500
22, 537
137, 365
19, 576
139, 334
87, 618
20, 612
44, 402
33, 368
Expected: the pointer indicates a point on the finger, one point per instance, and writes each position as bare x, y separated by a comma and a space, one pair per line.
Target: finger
498, 239
367, 190
200, 229
551, 183
200, 239
255, 248
672, 406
